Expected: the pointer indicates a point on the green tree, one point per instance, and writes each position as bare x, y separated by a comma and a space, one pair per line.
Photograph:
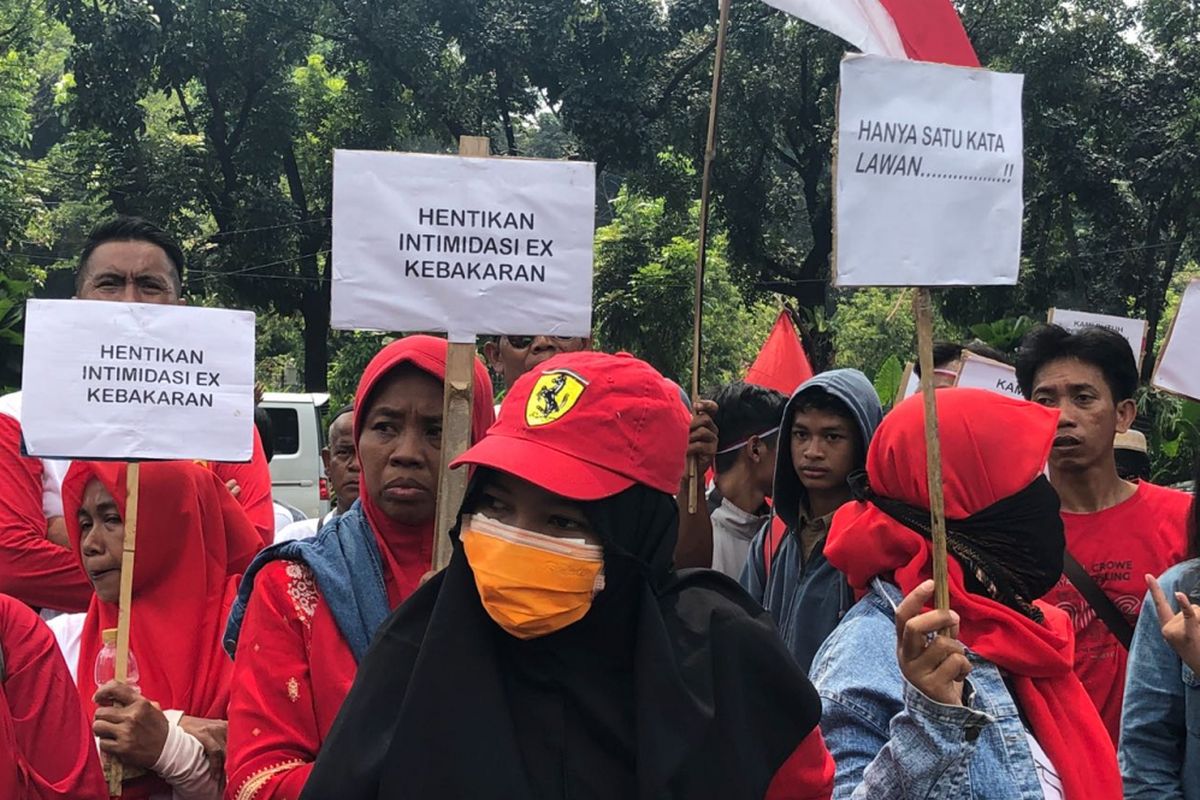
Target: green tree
645, 274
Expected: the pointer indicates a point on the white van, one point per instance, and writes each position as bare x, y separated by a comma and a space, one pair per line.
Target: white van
298, 432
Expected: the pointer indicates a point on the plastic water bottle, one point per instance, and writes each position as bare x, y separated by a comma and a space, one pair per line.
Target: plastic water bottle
106, 661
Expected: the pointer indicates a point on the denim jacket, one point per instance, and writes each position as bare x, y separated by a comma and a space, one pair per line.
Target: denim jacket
891, 742
1160, 720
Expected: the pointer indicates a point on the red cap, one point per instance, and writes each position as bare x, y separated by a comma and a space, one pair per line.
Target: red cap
588, 426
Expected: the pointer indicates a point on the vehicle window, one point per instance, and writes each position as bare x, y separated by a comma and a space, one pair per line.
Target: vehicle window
285, 428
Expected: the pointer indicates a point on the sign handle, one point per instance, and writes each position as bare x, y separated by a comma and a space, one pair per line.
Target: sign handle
923, 306
710, 154
456, 413
114, 771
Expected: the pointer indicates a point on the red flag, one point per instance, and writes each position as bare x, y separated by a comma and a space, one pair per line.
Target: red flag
781, 364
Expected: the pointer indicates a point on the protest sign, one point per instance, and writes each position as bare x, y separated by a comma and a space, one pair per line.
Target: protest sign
1134, 330
1178, 368
928, 172
978, 372
136, 381
910, 383
462, 245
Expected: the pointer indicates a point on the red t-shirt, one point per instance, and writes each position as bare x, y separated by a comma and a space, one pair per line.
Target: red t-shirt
1118, 546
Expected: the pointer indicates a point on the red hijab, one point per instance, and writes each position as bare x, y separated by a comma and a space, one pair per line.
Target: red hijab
992, 447
407, 550
193, 540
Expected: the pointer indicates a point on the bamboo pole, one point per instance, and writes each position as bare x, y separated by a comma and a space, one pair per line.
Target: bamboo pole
710, 154
456, 413
113, 769
923, 306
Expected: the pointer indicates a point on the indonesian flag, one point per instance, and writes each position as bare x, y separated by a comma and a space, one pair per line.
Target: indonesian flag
921, 30
781, 364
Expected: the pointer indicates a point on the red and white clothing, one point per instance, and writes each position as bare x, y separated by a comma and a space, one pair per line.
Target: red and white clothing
293, 668
193, 541
1119, 546
46, 750
33, 569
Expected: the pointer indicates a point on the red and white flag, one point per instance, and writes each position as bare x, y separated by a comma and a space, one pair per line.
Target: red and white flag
921, 30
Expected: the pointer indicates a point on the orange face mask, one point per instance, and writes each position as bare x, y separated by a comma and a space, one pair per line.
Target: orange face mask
531, 584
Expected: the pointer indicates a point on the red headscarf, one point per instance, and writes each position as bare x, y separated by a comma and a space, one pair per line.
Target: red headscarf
193, 540
407, 550
992, 447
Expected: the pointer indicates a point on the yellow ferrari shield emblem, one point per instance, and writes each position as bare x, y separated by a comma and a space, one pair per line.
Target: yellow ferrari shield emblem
555, 393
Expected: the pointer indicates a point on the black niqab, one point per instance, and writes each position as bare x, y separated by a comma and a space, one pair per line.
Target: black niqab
673, 685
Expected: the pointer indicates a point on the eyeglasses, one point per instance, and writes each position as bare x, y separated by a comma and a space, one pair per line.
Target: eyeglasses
523, 342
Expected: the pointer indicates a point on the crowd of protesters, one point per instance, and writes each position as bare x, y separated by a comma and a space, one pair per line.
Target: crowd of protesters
566, 651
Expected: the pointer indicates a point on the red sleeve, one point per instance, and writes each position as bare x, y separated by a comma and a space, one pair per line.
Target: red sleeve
41, 719
273, 733
33, 569
254, 479
807, 774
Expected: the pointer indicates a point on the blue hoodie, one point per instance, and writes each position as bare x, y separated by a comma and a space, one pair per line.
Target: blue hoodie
807, 597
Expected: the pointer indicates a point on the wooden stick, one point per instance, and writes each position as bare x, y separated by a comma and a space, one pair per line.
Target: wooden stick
456, 413
710, 154
113, 769
923, 305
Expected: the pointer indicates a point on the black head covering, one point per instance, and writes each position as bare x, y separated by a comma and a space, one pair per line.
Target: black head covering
672, 685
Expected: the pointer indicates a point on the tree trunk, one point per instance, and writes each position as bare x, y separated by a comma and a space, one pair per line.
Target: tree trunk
314, 306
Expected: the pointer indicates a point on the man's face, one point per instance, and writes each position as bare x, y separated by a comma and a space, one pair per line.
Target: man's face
513, 356
824, 449
341, 462
130, 272
1089, 417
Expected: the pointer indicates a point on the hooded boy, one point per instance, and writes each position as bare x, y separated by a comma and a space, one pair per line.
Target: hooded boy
825, 430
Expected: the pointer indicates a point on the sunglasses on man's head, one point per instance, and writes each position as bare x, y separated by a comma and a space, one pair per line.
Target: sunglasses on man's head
522, 342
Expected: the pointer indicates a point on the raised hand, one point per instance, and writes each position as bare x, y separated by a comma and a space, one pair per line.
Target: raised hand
1182, 630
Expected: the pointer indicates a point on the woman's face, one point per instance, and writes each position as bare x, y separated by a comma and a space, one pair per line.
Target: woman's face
102, 537
515, 502
400, 446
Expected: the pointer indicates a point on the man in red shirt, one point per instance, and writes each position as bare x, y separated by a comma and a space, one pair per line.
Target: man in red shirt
127, 260
1117, 530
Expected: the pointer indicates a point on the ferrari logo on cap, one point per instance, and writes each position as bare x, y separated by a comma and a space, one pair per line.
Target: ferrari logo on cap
555, 393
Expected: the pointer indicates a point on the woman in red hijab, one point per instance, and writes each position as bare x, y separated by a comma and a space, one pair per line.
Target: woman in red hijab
993, 710
46, 749
193, 539
307, 610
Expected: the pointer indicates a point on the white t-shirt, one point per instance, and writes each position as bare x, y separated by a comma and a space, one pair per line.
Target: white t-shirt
304, 529
732, 531
68, 631
1052, 787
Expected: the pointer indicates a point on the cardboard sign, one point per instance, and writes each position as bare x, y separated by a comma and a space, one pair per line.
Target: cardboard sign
928, 175
978, 372
1134, 330
1178, 368
136, 381
461, 245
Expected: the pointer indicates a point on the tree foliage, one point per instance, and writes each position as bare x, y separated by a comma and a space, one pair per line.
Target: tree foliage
217, 119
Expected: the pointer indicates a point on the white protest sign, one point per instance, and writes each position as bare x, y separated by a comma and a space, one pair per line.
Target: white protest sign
1134, 330
928, 175
910, 383
462, 245
978, 372
137, 381
1178, 368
